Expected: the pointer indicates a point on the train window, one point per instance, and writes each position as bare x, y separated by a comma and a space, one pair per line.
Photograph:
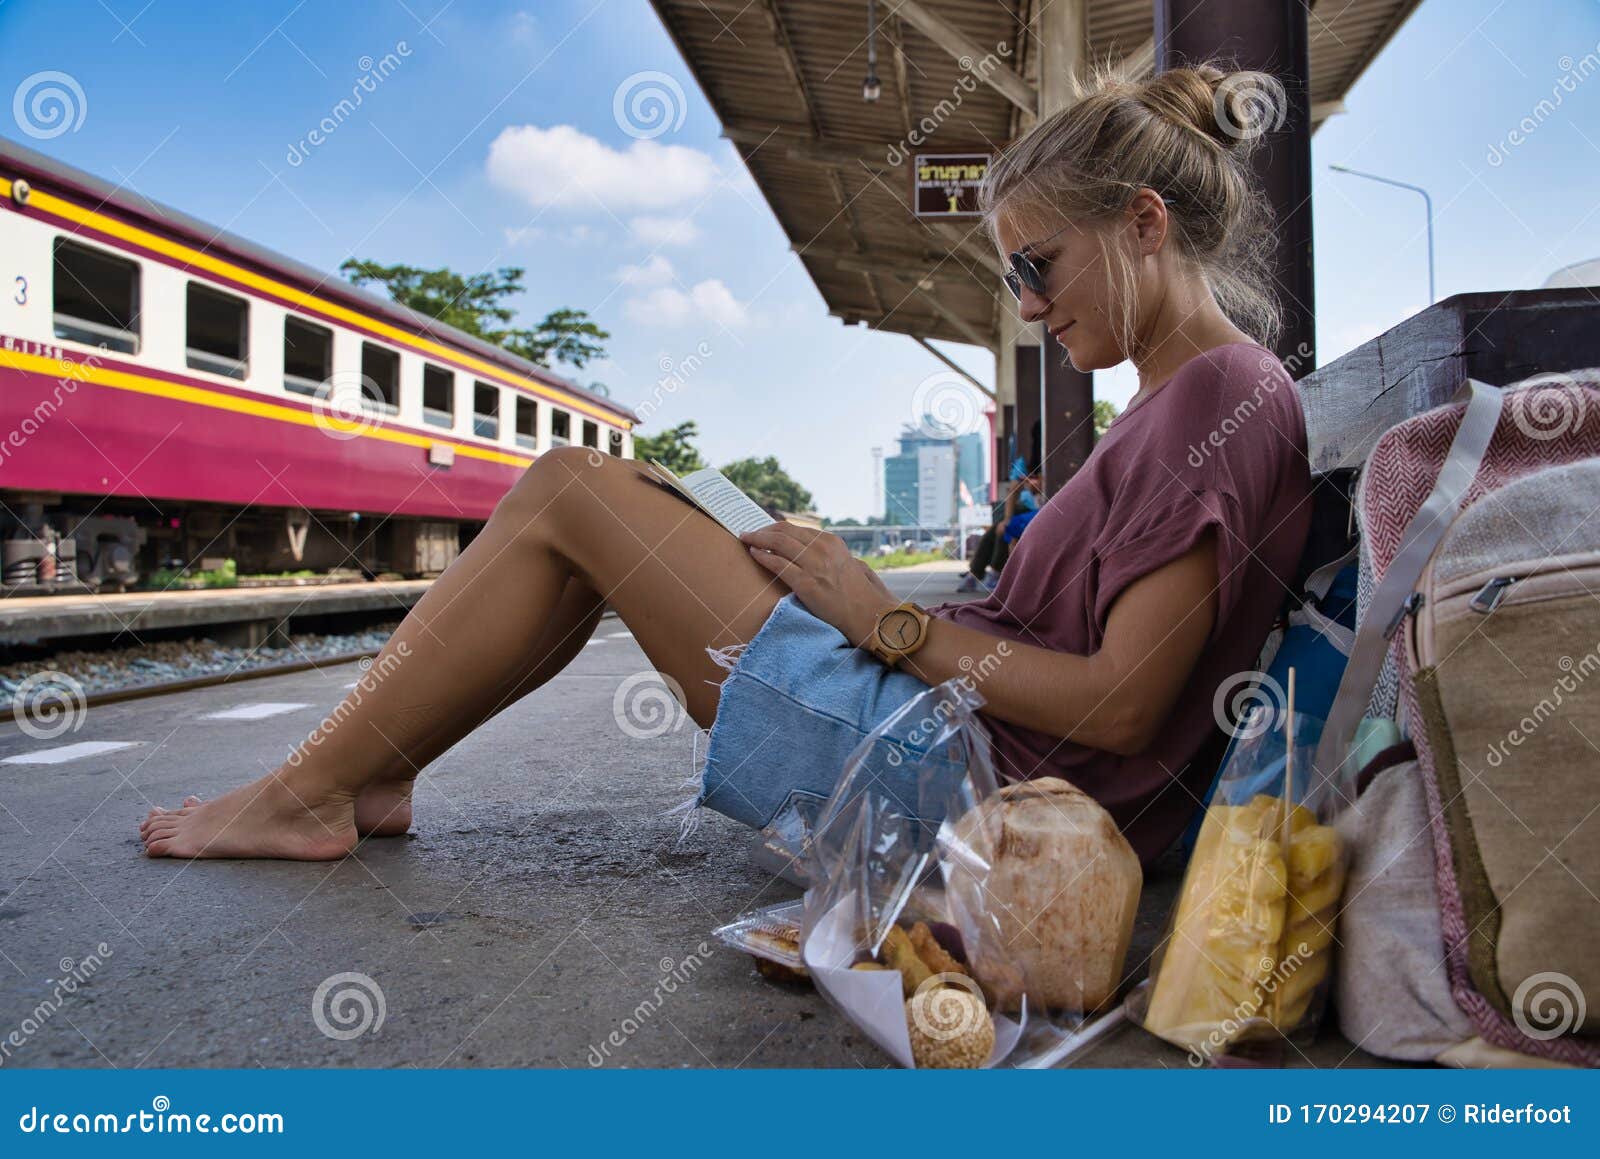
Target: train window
616, 444
219, 332
485, 410
438, 396
380, 377
560, 428
307, 356
591, 434
527, 420
96, 298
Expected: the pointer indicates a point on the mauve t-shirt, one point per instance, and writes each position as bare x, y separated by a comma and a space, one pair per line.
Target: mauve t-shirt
1222, 445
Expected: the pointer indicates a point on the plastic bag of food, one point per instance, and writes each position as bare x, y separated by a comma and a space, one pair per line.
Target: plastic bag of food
1247, 956
940, 908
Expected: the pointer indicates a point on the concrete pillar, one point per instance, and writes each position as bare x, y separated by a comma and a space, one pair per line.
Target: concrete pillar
1269, 35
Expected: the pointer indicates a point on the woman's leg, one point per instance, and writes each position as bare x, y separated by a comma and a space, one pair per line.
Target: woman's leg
383, 807
678, 581
983, 554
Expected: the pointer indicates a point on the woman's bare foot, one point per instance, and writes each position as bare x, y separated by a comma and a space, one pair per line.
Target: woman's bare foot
383, 809
266, 818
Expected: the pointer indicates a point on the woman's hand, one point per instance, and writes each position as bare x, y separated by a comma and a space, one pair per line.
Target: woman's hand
818, 567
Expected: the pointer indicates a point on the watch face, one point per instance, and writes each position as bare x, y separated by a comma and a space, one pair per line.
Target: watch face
899, 629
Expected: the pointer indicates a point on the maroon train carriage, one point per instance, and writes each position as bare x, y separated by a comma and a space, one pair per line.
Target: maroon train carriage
171, 395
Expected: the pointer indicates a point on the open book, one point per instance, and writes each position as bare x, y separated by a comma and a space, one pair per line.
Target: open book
710, 491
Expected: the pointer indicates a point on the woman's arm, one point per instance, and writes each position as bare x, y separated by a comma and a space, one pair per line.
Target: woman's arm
1116, 699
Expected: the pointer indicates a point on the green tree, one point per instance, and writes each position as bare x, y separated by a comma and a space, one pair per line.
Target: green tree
673, 448
1104, 411
765, 481
476, 304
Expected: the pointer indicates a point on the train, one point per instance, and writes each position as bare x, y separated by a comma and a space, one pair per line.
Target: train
173, 397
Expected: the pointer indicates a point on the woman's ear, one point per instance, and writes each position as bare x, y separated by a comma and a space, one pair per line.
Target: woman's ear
1148, 216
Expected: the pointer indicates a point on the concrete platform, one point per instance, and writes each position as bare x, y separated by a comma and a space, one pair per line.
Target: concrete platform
538, 907
33, 619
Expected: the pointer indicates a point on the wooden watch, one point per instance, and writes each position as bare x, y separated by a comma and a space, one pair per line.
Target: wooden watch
898, 633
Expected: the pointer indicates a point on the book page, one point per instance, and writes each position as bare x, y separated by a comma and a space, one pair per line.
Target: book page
724, 502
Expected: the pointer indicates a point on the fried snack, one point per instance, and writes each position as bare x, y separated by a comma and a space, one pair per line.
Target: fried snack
1253, 924
778, 972
949, 1027
899, 954
869, 965
933, 955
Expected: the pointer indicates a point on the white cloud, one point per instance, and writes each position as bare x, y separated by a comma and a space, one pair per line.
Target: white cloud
670, 306
578, 234
564, 168
665, 230
656, 271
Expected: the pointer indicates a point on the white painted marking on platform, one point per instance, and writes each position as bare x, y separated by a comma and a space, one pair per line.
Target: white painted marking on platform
353, 684
70, 752
592, 642
259, 711
622, 635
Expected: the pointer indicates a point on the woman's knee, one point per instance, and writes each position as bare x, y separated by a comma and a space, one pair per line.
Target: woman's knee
563, 485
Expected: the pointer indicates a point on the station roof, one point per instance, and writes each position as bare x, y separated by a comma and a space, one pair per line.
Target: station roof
785, 79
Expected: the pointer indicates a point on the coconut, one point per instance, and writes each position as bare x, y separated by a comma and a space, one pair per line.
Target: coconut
1064, 887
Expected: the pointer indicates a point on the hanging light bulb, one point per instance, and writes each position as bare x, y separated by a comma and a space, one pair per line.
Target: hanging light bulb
871, 90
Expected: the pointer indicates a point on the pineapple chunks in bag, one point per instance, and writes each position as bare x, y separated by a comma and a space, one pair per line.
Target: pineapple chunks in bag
1248, 952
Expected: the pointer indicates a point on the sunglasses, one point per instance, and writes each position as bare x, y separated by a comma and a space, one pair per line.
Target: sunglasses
1028, 271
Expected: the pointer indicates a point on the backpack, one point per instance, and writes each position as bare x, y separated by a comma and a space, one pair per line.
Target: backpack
1469, 933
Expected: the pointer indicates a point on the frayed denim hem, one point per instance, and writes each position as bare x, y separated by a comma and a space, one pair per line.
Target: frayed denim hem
688, 810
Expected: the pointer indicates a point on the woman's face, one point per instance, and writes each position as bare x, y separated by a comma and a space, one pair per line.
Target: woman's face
1077, 306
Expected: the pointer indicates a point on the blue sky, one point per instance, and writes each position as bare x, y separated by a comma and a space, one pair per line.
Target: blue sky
495, 142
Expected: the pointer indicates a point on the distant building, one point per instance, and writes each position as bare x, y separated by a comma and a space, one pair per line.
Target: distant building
922, 484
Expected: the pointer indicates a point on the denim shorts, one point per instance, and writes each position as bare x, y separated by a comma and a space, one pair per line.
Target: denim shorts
797, 701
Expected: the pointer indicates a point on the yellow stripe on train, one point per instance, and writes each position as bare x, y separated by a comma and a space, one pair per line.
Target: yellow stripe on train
200, 396
193, 257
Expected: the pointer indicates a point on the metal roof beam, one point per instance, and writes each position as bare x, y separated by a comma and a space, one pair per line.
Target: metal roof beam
958, 44
818, 150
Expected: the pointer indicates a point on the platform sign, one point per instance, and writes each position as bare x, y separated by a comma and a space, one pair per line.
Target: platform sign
946, 184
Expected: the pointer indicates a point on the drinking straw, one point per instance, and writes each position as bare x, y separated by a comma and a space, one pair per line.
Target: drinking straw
1285, 830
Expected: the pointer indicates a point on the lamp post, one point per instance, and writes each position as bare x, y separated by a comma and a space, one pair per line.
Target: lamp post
1427, 202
